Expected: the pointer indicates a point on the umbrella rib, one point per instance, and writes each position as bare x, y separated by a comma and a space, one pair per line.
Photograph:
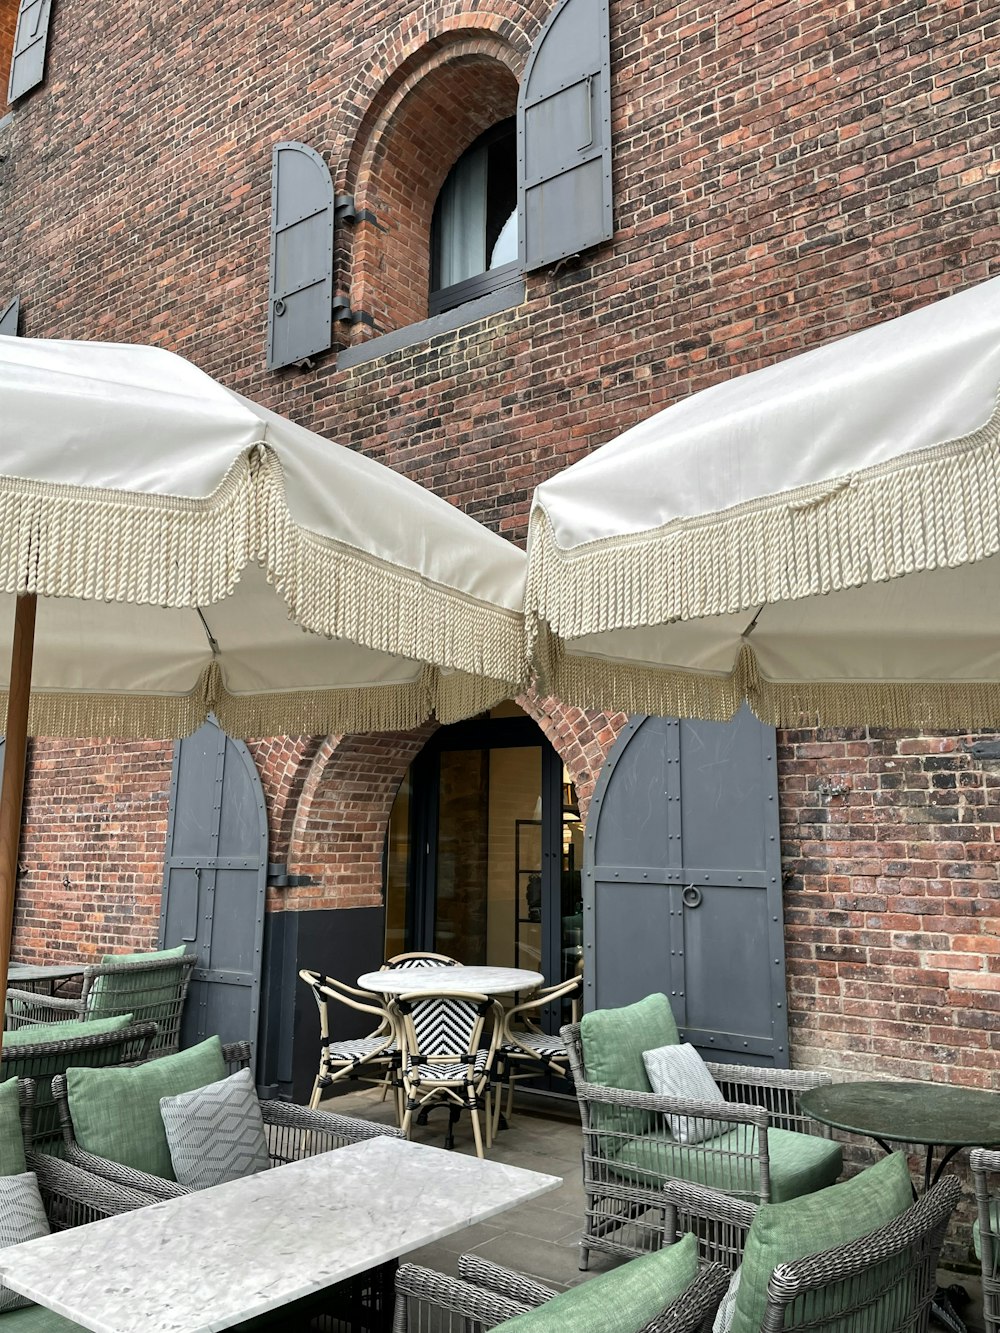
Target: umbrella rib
212, 641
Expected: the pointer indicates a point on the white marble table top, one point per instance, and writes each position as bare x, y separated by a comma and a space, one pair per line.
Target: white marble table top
207, 1260
444, 980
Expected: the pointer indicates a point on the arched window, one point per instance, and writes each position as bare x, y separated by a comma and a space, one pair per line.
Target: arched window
474, 227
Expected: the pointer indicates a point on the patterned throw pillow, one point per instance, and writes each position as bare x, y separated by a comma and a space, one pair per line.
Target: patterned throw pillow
215, 1133
679, 1071
22, 1217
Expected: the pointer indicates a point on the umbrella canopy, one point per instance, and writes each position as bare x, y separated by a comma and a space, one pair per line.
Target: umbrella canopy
197, 553
820, 538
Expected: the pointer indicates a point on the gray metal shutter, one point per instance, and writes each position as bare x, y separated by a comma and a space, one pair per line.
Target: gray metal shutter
300, 317
8, 318
27, 66
564, 136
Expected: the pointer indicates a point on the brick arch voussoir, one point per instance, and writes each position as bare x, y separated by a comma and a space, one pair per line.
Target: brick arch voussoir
342, 816
404, 50
283, 763
581, 738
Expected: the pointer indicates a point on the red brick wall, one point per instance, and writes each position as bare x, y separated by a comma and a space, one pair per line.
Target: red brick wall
92, 850
891, 849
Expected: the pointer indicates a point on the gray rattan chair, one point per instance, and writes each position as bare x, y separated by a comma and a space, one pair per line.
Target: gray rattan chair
370, 1059
485, 1295
629, 1154
42, 1060
152, 991
884, 1281
985, 1164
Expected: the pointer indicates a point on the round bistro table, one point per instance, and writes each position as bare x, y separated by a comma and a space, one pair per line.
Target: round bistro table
933, 1115
445, 980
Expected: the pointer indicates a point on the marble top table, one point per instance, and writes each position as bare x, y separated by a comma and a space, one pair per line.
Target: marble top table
930, 1114
207, 1260
444, 980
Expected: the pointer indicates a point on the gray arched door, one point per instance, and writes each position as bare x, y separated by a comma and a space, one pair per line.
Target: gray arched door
214, 882
682, 883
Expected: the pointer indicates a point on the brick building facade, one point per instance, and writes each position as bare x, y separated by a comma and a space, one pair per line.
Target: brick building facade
783, 174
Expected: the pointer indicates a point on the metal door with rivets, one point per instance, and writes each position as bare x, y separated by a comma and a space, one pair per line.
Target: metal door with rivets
214, 883
682, 883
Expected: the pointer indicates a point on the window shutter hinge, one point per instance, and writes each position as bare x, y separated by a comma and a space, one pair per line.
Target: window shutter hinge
344, 210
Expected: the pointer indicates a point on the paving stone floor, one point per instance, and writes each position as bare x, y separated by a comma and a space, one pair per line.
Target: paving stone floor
542, 1237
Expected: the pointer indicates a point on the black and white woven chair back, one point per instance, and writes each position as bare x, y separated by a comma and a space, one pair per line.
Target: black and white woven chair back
420, 960
445, 1025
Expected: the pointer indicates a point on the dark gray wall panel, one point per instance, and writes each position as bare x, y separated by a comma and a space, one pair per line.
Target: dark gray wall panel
631, 929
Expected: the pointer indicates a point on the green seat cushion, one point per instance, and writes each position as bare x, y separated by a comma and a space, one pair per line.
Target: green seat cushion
622, 1301
36, 1319
37, 1033
12, 1161
781, 1232
135, 990
800, 1163
116, 1112
977, 1242
613, 1041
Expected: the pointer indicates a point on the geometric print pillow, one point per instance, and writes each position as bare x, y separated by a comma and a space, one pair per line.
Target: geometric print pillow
679, 1071
215, 1133
22, 1217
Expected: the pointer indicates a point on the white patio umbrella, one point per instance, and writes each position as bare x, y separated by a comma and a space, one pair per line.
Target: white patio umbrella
193, 553
820, 538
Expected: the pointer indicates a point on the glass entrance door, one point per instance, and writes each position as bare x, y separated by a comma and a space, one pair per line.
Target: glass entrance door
484, 850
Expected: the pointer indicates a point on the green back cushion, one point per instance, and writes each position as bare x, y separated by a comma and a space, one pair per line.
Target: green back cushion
781, 1232
11, 1144
622, 1301
116, 1112
131, 990
36, 1319
37, 1033
613, 1041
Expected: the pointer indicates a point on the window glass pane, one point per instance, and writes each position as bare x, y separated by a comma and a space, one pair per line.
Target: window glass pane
397, 868
462, 220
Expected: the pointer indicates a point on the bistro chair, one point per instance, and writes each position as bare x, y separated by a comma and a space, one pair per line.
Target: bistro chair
151, 987
367, 1059
756, 1144
443, 1057
485, 1295
420, 958
985, 1163
881, 1281
525, 1050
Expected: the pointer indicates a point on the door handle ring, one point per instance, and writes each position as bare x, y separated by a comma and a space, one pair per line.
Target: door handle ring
691, 896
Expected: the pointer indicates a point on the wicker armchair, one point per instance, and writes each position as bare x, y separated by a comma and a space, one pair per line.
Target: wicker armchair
41, 1060
885, 1280
985, 1164
485, 1295
151, 991
292, 1132
525, 1050
629, 1153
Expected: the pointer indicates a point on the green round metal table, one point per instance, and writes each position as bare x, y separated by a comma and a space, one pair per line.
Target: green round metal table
934, 1115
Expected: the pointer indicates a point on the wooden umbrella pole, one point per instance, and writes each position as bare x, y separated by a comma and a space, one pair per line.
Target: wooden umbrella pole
12, 791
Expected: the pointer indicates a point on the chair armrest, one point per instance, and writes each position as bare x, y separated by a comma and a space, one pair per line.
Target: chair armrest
441, 1292
506, 1282
153, 1188
295, 1131
73, 1196
720, 1221
738, 1113
694, 1311
236, 1055
39, 1008
777, 1090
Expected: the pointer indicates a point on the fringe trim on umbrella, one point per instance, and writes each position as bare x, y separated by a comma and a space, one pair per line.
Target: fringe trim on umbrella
588, 682
168, 551
449, 697
934, 509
